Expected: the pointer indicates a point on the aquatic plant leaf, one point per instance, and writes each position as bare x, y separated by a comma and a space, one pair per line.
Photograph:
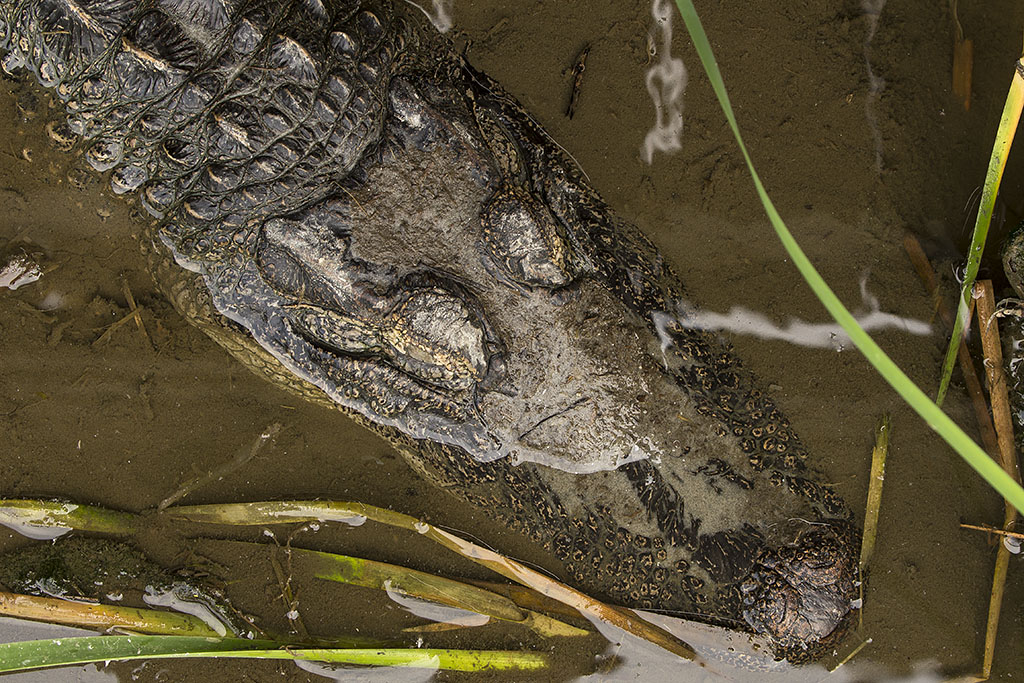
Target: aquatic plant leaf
358, 571
285, 512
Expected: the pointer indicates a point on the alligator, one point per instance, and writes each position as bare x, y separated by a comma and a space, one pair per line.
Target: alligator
355, 212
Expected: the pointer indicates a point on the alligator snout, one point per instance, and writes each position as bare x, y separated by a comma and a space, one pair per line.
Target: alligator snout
801, 593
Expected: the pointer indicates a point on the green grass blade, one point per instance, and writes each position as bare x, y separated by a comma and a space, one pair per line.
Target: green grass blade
994, 174
35, 654
932, 414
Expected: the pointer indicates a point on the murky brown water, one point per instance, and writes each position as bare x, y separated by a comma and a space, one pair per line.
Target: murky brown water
121, 419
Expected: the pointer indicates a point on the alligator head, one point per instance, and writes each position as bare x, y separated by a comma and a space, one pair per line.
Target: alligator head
373, 221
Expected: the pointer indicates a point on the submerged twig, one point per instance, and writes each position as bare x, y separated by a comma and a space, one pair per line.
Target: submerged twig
993, 530
133, 315
963, 60
1007, 455
241, 458
974, 389
132, 306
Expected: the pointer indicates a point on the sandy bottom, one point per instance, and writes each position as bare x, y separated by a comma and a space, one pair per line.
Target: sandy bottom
850, 120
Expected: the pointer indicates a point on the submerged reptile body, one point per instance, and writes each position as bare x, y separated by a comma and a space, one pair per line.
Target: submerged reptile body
358, 214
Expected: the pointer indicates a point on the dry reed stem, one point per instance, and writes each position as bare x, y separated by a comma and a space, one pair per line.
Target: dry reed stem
105, 617
1007, 456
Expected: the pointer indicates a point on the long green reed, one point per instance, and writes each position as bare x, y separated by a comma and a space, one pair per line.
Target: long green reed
996, 163
36, 654
929, 411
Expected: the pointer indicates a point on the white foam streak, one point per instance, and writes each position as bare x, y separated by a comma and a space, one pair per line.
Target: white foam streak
441, 16
666, 83
740, 320
435, 611
872, 10
168, 598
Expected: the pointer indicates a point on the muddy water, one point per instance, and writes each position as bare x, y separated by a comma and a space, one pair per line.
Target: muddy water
120, 418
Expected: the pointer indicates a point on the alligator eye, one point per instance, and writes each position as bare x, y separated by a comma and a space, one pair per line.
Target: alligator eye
429, 334
433, 335
522, 237
334, 330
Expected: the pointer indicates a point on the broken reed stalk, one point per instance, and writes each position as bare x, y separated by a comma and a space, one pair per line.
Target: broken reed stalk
320, 511
927, 274
527, 598
874, 503
104, 617
1007, 455
878, 455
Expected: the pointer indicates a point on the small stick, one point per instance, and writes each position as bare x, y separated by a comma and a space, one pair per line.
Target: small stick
996, 377
853, 654
993, 530
110, 330
579, 67
1007, 456
927, 275
132, 306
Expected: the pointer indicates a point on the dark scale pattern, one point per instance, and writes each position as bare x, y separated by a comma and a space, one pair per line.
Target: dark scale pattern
248, 126
222, 112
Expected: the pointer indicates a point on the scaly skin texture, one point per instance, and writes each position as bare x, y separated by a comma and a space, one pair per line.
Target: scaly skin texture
358, 214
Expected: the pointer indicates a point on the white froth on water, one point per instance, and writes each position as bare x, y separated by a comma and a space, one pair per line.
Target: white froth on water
872, 11
740, 320
433, 611
666, 83
439, 14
